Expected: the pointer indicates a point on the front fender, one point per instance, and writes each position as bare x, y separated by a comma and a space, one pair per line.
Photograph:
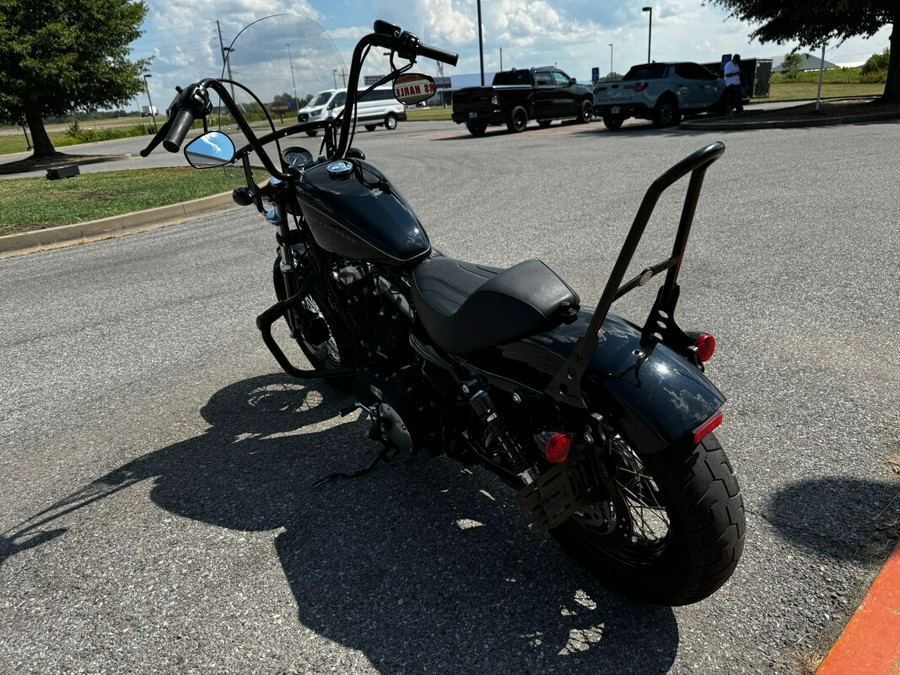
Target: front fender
652, 394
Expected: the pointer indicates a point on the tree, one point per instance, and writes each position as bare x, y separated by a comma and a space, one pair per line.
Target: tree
611, 76
791, 64
58, 57
814, 22
877, 62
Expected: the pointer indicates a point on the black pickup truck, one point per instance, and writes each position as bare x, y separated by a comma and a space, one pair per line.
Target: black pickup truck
516, 96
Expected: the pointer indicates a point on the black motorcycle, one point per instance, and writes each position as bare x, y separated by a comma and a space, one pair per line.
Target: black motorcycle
601, 426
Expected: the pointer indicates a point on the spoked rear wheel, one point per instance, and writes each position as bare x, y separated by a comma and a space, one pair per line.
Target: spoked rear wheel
671, 531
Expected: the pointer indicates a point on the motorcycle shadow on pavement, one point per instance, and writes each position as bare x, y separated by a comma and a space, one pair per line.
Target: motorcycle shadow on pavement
843, 518
417, 566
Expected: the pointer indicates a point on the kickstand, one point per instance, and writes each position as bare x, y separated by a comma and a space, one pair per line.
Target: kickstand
382, 456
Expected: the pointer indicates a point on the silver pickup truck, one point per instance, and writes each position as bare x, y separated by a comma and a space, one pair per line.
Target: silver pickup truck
661, 92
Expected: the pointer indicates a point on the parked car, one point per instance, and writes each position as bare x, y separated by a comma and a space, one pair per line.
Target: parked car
517, 96
378, 107
661, 92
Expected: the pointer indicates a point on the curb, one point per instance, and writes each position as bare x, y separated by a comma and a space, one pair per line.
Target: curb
718, 125
870, 642
106, 227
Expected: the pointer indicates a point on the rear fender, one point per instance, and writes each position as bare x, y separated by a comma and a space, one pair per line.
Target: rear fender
651, 393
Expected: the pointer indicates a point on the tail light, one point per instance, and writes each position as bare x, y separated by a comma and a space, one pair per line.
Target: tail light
704, 429
495, 98
559, 445
706, 346
640, 86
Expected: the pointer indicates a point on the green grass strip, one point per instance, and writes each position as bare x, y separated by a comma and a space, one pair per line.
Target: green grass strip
35, 203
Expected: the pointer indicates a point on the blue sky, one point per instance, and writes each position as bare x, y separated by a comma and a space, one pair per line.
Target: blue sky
182, 37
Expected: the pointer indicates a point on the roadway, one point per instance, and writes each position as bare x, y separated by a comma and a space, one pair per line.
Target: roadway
155, 466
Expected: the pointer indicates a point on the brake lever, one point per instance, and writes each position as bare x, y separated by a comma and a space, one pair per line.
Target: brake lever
157, 139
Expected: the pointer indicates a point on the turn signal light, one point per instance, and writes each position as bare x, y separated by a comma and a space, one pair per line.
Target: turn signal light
706, 346
640, 86
558, 447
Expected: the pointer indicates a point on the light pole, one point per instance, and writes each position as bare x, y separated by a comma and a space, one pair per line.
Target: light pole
334, 75
611, 69
293, 82
149, 100
649, 30
480, 44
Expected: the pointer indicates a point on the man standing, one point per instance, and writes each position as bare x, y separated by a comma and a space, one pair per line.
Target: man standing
733, 83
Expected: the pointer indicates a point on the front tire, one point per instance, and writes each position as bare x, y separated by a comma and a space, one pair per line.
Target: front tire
321, 342
672, 533
586, 112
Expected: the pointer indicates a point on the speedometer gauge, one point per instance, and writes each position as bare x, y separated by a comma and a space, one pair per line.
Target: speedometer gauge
296, 157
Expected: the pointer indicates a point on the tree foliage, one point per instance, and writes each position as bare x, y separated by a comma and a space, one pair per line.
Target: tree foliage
791, 64
877, 62
60, 56
814, 22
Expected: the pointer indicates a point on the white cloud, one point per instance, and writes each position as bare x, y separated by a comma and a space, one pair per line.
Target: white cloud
574, 34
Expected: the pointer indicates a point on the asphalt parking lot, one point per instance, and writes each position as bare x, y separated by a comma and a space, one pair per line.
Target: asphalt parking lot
155, 466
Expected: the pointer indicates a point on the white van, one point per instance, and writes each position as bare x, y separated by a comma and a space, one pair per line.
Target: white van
377, 108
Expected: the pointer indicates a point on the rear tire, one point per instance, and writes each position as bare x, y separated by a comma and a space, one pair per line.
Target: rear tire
666, 113
311, 132
673, 532
390, 122
477, 127
371, 127
518, 119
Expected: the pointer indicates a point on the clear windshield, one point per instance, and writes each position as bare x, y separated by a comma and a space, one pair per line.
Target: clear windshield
321, 99
286, 60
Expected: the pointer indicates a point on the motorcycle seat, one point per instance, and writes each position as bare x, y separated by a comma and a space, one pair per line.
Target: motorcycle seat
465, 307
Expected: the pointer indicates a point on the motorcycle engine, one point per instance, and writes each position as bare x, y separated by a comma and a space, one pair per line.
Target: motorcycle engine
400, 417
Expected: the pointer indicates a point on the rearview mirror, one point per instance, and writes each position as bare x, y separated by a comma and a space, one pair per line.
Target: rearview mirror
210, 150
413, 88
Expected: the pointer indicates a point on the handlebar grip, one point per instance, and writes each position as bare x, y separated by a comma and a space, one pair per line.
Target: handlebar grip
438, 54
184, 120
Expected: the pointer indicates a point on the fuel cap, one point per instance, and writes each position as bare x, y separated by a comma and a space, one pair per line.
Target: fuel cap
340, 169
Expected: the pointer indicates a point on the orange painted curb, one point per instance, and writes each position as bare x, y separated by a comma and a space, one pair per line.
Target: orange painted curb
870, 643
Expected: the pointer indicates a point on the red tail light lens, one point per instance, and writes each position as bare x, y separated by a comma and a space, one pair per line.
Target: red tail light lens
495, 98
704, 429
640, 86
706, 347
558, 447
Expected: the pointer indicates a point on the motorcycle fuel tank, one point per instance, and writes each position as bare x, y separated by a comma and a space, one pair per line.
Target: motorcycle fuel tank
354, 211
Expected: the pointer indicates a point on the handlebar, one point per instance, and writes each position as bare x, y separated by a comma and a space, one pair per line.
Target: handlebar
193, 103
407, 45
184, 120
